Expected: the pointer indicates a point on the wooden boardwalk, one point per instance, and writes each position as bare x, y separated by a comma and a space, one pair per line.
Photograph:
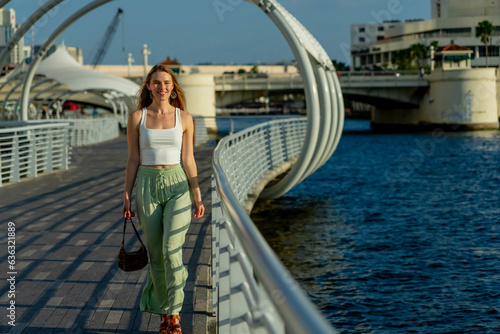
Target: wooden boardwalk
68, 234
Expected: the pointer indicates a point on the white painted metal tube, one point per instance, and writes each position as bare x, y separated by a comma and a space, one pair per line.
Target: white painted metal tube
18, 102
335, 118
40, 93
325, 120
299, 315
8, 95
49, 98
313, 119
25, 27
3, 3
340, 103
48, 43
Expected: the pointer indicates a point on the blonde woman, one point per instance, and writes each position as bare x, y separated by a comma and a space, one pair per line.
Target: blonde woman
158, 134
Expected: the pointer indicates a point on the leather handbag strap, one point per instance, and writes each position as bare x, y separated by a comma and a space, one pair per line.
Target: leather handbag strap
125, 227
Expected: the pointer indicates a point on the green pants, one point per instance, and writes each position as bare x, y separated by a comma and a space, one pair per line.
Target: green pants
163, 199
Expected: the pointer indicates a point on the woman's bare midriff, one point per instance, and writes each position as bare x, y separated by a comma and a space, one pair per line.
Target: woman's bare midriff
160, 166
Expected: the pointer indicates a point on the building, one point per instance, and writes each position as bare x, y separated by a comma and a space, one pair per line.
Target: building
375, 44
7, 29
453, 57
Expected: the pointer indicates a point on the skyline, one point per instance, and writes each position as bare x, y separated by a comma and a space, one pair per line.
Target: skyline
218, 31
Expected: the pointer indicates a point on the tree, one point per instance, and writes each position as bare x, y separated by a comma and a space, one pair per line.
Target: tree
340, 66
417, 51
402, 59
435, 44
484, 30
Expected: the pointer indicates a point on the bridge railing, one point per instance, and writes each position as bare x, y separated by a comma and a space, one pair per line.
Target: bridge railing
82, 131
29, 150
252, 290
389, 75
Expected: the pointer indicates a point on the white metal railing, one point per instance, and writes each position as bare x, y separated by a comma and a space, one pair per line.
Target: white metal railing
82, 131
29, 150
252, 290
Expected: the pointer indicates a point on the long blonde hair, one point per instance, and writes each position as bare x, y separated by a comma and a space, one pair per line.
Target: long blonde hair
144, 94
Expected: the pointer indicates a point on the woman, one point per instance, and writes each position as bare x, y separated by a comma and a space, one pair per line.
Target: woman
157, 133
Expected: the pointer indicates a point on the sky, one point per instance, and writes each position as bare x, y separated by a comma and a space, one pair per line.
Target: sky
206, 31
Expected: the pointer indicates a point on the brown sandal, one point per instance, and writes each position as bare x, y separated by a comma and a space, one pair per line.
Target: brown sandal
164, 324
174, 324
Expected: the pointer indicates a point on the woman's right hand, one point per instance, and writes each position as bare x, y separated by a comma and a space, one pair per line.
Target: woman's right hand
127, 209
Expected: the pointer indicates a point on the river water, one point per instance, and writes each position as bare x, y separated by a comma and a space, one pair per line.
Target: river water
397, 233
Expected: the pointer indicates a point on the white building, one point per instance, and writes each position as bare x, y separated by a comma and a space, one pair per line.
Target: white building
375, 44
7, 28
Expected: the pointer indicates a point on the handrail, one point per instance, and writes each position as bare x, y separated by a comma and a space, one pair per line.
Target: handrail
27, 151
280, 305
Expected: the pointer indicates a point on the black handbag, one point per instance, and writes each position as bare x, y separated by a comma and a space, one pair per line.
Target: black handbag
132, 261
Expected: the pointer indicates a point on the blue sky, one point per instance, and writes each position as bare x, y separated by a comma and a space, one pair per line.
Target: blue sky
220, 31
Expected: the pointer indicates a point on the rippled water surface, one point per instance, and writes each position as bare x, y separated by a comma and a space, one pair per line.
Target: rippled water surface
397, 233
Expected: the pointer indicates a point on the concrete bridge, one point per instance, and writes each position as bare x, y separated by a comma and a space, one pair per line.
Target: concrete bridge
67, 264
395, 89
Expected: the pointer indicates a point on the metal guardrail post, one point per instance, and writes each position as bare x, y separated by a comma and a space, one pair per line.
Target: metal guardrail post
65, 150
254, 292
15, 176
49, 152
32, 168
224, 305
216, 214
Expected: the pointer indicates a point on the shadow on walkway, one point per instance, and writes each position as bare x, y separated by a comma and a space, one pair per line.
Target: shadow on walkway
68, 234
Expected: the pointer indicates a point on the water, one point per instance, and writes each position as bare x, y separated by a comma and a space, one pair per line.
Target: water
397, 233
243, 122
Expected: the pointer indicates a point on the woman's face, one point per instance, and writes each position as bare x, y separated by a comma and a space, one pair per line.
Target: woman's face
161, 85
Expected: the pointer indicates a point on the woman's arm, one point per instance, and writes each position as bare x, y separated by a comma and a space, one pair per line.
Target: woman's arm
189, 162
133, 161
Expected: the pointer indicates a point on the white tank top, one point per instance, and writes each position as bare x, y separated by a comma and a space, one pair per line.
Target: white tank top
160, 146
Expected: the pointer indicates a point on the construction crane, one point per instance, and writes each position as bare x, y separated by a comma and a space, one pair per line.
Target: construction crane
103, 47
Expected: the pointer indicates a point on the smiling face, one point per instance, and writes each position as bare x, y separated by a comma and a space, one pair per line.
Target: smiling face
161, 85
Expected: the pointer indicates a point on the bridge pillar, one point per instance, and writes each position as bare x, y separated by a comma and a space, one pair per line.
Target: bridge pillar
456, 100
200, 97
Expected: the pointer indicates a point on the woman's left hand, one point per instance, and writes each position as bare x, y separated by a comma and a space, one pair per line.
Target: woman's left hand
199, 209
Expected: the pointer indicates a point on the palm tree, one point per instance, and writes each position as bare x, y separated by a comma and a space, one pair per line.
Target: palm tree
484, 30
402, 59
418, 51
435, 44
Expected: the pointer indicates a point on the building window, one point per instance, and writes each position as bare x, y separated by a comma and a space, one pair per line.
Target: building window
496, 31
380, 28
493, 51
386, 58
457, 32
380, 38
361, 29
361, 39
377, 58
431, 33
439, 9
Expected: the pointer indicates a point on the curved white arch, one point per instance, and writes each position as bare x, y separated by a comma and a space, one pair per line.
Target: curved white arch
325, 104
312, 100
48, 43
3, 3
25, 27
324, 122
